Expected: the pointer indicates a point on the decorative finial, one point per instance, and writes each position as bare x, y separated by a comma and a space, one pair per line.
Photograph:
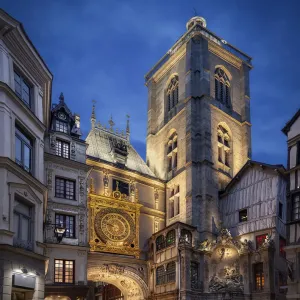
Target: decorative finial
61, 98
111, 123
93, 116
128, 128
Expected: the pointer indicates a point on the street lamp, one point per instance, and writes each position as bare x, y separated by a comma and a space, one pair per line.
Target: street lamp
59, 232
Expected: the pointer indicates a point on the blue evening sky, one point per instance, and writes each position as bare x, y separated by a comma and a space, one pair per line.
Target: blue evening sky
102, 50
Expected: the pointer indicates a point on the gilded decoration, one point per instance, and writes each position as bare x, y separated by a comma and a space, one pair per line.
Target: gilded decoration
114, 225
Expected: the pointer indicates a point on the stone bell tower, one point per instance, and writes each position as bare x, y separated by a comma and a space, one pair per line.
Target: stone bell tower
199, 131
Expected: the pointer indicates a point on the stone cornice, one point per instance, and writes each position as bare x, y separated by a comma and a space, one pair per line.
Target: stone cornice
65, 246
152, 212
225, 55
11, 166
5, 88
25, 253
67, 162
99, 166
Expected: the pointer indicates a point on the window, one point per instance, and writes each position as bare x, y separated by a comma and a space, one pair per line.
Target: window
174, 202
260, 239
224, 153
24, 146
171, 206
23, 225
160, 275
61, 126
22, 89
160, 243
121, 186
282, 244
194, 274
62, 149
171, 272
172, 152
186, 236
170, 238
64, 188
222, 87
243, 215
280, 210
67, 222
259, 279
172, 93
296, 207
64, 271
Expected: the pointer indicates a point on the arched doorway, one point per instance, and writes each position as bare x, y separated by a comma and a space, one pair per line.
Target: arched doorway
130, 283
107, 291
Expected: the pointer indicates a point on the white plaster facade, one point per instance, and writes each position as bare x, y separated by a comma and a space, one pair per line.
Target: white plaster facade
23, 195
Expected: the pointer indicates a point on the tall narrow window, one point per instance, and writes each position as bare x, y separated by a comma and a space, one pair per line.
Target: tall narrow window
172, 93
23, 225
172, 152
64, 271
171, 272
224, 151
170, 238
160, 242
24, 145
296, 207
64, 188
194, 274
68, 222
171, 208
22, 88
160, 275
222, 87
62, 149
280, 210
259, 278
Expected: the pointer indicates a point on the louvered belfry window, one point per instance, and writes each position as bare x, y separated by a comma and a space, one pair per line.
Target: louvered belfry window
172, 93
222, 87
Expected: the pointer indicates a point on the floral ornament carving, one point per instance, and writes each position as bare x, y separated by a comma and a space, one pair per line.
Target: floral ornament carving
156, 196
81, 223
52, 141
73, 149
105, 178
81, 186
92, 187
49, 178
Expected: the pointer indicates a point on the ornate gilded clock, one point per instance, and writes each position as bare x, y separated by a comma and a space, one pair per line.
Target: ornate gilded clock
113, 225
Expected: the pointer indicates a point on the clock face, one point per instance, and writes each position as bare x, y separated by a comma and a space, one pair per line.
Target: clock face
62, 116
115, 225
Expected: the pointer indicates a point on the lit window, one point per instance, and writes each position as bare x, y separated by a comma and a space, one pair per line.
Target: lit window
224, 151
61, 126
64, 188
22, 88
64, 271
23, 148
172, 152
243, 215
68, 222
170, 238
172, 93
260, 239
222, 87
296, 207
62, 149
259, 278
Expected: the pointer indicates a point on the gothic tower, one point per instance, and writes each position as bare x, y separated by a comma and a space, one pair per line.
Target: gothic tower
199, 130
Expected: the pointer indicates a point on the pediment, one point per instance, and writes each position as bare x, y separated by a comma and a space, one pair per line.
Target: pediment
25, 191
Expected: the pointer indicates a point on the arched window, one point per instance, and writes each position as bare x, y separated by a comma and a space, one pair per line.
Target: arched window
170, 238
160, 242
224, 153
172, 152
222, 87
171, 272
160, 275
186, 236
172, 92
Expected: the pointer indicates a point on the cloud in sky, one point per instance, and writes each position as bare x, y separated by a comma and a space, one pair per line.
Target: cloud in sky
102, 49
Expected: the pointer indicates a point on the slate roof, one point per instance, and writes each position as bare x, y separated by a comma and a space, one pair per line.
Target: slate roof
100, 147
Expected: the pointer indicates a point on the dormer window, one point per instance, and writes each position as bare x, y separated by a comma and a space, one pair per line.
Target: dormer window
61, 126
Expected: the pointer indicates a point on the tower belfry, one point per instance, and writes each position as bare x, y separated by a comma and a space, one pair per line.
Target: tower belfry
199, 132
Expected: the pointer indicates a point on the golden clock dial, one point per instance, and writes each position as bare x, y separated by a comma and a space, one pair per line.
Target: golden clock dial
115, 227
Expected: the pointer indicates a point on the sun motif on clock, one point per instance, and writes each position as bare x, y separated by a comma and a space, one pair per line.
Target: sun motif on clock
115, 225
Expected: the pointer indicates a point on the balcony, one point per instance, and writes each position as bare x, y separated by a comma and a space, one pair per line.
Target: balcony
27, 245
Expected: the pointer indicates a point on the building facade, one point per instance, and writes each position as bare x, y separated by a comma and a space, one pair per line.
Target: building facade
66, 175
292, 131
25, 90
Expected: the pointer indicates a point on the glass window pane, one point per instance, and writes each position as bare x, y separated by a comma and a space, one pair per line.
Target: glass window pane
27, 158
16, 225
18, 151
25, 229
